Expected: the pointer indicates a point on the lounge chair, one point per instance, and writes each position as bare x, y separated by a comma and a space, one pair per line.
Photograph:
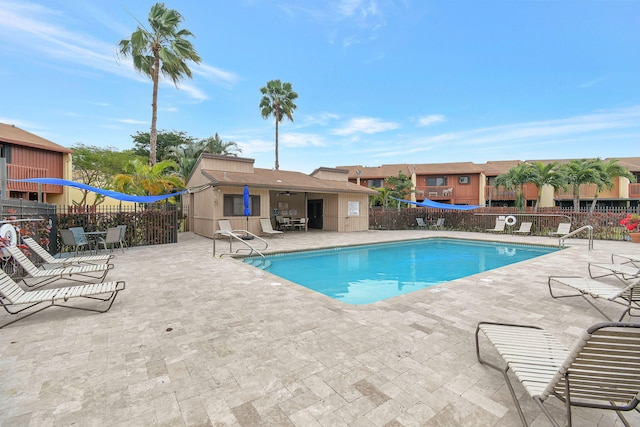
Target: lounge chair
47, 258
564, 228
421, 223
499, 228
439, 224
626, 259
525, 228
624, 272
267, 229
602, 370
225, 229
16, 300
84, 273
627, 296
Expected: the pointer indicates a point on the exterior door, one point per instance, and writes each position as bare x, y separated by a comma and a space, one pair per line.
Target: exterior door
314, 209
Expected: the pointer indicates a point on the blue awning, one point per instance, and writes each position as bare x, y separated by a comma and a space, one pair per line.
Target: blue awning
108, 193
427, 203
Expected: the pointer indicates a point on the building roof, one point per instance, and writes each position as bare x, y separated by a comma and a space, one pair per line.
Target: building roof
14, 135
283, 181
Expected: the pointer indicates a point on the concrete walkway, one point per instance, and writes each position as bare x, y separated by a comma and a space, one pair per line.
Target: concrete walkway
202, 341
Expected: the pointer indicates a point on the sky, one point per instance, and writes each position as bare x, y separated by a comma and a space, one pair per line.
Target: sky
379, 81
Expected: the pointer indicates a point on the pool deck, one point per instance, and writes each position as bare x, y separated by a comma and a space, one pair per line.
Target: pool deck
201, 341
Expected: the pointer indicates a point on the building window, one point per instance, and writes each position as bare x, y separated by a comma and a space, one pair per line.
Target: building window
376, 183
234, 205
463, 179
436, 181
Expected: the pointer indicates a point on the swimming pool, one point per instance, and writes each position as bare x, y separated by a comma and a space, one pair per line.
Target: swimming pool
370, 273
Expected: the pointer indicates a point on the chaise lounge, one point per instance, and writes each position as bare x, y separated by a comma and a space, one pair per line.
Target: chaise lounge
47, 258
16, 300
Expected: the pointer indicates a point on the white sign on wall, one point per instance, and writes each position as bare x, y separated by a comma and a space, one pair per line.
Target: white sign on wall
353, 208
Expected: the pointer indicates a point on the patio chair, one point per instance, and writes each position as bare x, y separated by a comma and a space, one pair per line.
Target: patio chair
84, 273
525, 228
111, 238
267, 228
123, 232
70, 240
602, 371
499, 227
300, 224
564, 228
591, 289
47, 258
439, 224
623, 272
16, 300
284, 223
421, 223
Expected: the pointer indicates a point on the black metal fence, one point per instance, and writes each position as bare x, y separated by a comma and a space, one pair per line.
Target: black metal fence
605, 222
147, 224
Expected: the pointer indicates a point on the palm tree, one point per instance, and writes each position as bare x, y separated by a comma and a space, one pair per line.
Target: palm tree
147, 180
277, 100
215, 145
545, 175
578, 172
515, 178
162, 48
186, 156
608, 171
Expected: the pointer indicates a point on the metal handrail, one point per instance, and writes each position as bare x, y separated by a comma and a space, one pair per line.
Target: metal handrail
574, 232
233, 235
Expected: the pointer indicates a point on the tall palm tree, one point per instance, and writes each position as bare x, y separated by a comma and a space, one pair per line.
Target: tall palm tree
186, 156
164, 47
578, 172
215, 145
545, 175
608, 171
515, 178
146, 180
277, 100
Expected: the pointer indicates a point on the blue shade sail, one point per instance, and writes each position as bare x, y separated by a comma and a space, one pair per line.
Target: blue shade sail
113, 194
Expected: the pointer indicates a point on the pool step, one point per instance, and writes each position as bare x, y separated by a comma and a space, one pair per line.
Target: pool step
260, 263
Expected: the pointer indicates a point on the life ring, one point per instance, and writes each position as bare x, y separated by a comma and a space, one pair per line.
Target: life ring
510, 220
8, 232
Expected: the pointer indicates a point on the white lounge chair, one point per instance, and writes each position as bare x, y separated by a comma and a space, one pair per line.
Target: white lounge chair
47, 258
623, 272
591, 289
564, 228
632, 259
525, 228
267, 228
499, 227
602, 370
16, 300
84, 273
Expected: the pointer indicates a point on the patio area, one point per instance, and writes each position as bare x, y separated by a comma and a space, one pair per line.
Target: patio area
195, 340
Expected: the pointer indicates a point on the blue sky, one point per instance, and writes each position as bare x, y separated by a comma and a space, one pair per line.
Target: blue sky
379, 81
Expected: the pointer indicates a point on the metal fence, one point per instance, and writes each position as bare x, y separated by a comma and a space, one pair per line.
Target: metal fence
605, 222
147, 224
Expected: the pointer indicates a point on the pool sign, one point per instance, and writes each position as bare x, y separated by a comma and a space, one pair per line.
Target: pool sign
353, 208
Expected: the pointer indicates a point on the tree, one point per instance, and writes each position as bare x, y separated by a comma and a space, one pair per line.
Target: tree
96, 166
186, 156
515, 178
400, 187
165, 142
162, 48
215, 145
608, 171
545, 175
578, 172
146, 180
277, 100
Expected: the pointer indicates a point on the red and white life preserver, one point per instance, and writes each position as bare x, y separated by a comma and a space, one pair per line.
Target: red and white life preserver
510, 220
8, 232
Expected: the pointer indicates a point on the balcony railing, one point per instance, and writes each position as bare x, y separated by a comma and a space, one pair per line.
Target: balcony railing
434, 192
26, 172
499, 193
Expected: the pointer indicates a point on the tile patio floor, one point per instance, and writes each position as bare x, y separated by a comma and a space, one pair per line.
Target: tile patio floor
202, 341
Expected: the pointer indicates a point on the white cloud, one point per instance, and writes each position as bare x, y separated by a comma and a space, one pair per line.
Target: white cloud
429, 120
290, 139
366, 125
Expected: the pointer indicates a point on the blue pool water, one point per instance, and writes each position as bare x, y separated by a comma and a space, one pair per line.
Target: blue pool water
370, 273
